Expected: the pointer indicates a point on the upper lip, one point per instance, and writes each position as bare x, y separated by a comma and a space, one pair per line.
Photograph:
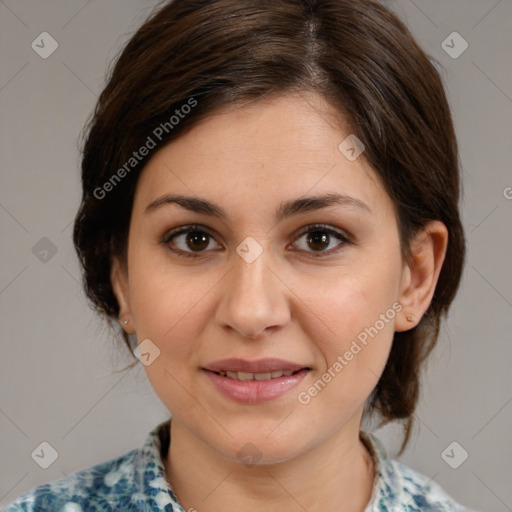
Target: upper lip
259, 366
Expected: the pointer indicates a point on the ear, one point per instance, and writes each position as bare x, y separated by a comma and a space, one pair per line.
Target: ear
420, 274
120, 286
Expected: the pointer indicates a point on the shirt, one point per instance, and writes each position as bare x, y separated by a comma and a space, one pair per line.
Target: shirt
136, 481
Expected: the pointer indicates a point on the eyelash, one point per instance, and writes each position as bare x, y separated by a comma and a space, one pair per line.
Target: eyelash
308, 229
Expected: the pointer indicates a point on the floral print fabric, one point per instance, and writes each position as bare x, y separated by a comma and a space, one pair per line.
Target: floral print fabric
136, 481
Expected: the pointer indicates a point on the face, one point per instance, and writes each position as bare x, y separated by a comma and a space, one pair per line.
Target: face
263, 276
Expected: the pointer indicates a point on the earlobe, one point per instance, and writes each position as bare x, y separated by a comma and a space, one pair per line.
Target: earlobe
421, 273
119, 282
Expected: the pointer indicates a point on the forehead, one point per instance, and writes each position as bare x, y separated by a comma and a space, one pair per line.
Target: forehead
265, 150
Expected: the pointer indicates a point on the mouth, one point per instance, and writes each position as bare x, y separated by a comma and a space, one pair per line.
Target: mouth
253, 382
258, 376
260, 367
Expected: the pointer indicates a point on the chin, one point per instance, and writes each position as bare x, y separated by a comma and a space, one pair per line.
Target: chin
256, 447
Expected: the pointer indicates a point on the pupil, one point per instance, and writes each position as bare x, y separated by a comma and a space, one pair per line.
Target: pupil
197, 240
318, 237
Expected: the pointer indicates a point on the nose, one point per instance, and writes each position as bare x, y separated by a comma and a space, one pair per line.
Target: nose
253, 298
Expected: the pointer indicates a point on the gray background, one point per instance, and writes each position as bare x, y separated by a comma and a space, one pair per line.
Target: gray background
57, 361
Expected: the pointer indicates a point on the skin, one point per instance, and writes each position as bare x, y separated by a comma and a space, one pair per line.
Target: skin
292, 302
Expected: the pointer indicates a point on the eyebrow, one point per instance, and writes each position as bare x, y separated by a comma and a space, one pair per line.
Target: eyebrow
285, 210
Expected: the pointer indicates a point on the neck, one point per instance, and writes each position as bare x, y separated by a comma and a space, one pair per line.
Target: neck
336, 475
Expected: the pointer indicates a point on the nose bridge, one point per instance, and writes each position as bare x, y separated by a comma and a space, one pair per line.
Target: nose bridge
253, 299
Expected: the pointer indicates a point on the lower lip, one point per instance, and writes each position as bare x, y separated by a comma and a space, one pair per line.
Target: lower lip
255, 391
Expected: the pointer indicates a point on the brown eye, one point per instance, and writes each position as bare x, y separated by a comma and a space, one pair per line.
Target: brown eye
197, 240
188, 240
318, 238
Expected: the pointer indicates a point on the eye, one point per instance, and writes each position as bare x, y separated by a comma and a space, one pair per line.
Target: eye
320, 237
188, 240
193, 240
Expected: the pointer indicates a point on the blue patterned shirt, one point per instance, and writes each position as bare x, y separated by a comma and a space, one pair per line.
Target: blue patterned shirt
136, 481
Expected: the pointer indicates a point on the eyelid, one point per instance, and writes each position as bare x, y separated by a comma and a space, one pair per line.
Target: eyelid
320, 227
185, 229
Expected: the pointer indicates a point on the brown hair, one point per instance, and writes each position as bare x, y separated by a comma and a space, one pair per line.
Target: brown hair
215, 53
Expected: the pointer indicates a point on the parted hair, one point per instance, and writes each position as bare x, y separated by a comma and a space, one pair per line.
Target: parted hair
213, 54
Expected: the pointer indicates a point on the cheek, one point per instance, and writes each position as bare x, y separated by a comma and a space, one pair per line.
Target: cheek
168, 301
168, 314
343, 303
170, 311
351, 345
351, 314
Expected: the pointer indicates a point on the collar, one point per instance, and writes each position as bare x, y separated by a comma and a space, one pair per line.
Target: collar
386, 489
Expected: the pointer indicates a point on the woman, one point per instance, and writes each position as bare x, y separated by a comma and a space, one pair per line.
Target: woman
270, 210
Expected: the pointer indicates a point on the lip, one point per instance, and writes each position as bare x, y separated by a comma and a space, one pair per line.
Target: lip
259, 366
255, 391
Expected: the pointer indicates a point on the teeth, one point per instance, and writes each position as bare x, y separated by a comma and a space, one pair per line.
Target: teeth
262, 376
254, 376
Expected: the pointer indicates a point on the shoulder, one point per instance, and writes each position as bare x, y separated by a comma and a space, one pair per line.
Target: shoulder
399, 487
133, 481
96, 488
423, 492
